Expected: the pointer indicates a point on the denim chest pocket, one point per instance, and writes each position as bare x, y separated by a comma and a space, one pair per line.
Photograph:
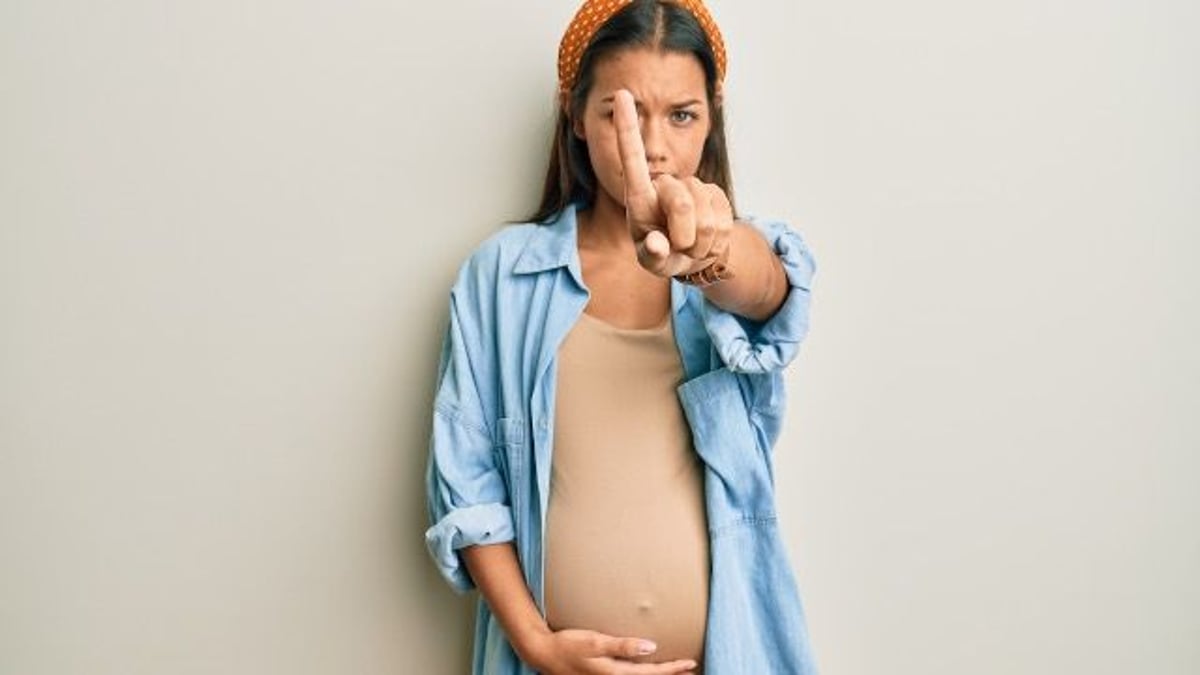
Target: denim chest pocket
509, 447
738, 482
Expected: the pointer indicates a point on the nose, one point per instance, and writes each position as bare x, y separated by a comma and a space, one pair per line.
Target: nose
654, 139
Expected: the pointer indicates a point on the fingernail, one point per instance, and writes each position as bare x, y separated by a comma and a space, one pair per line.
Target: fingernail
647, 647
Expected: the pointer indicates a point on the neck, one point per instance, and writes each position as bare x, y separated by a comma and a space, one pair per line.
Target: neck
603, 226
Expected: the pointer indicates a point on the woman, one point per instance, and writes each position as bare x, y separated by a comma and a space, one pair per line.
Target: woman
610, 390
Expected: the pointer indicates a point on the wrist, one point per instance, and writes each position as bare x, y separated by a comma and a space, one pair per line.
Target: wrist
715, 272
532, 644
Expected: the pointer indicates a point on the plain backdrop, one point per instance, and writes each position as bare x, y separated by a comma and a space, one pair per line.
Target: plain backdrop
227, 233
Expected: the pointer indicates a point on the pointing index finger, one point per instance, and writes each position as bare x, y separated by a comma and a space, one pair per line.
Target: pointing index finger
633, 152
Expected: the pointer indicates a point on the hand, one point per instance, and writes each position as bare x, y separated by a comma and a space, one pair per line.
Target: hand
585, 652
678, 225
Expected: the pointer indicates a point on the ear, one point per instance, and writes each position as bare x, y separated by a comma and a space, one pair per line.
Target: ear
564, 103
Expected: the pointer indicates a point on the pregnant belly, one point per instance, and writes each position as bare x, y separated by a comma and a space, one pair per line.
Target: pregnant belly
635, 568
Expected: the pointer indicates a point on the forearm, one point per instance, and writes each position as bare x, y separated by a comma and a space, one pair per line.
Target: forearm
759, 285
497, 574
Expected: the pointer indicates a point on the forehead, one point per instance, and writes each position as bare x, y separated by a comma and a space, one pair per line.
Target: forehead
652, 75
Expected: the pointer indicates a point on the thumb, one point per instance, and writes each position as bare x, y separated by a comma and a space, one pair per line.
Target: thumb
653, 251
630, 648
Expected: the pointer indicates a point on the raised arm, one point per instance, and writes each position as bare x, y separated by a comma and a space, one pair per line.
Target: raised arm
682, 225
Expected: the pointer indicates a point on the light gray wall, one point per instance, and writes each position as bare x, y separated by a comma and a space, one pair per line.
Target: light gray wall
227, 230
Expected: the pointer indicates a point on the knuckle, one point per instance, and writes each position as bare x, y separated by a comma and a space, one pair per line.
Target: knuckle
683, 203
717, 195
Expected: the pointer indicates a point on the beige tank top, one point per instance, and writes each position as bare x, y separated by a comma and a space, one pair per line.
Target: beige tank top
626, 533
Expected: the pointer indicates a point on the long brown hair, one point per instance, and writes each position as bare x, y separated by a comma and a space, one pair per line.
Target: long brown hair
659, 24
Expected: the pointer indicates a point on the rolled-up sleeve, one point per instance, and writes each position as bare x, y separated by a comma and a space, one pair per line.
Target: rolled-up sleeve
466, 494
747, 346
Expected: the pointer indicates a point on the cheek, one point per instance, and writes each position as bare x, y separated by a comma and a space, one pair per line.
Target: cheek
606, 157
688, 149
698, 147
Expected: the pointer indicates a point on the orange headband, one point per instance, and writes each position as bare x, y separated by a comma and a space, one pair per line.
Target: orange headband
595, 13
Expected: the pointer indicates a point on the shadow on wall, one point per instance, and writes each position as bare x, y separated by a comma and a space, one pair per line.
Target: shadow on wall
435, 618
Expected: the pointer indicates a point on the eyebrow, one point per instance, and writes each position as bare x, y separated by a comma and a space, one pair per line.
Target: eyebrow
694, 101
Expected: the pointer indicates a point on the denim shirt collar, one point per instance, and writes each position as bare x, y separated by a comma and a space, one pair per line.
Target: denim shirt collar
555, 245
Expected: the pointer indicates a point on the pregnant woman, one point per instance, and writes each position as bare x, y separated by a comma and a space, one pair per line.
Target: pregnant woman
610, 387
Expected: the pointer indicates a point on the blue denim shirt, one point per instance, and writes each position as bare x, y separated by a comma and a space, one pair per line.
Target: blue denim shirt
488, 477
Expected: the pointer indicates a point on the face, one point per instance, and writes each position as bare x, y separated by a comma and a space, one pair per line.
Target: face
669, 89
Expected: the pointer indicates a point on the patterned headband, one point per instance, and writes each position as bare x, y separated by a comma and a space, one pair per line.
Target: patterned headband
595, 13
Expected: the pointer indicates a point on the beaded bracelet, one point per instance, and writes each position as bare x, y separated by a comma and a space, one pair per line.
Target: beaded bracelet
713, 274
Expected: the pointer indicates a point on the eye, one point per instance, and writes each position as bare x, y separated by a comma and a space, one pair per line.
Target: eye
682, 116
